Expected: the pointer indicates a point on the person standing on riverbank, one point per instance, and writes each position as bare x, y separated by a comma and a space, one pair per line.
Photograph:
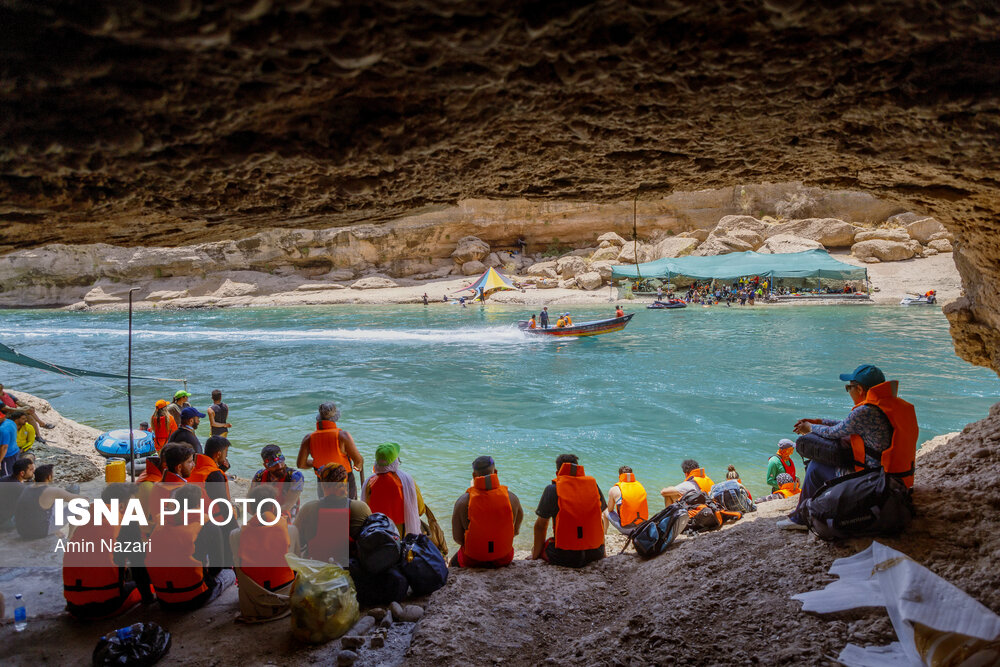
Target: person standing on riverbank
575, 504
218, 415
880, 432
178, 404
330, 444
185, 433
163, 423
8, 443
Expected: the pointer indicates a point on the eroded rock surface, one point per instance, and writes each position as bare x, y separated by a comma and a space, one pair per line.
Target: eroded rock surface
147, 123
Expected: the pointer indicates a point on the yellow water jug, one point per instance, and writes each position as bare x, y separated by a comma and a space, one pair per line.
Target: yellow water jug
114, 471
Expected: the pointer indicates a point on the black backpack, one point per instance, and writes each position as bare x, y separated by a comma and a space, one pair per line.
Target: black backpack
380, 589
378, 543
705, 514
867, 503
733, 497
653, 536
423, 564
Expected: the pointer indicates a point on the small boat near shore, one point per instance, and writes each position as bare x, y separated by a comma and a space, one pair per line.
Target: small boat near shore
666, 305
918, 301
114, 444
592, 328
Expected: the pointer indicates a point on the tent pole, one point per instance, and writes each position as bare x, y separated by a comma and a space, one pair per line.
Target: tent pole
131, 435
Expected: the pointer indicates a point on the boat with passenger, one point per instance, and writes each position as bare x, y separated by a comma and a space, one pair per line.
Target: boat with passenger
592, 328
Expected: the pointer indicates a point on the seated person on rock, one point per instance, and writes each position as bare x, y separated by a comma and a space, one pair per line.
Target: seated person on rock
326, 525
880, 433
210, 474
11, 488
787, 487
265, 580
99, 582
485, 520
781, 463
33, 516
575, 504
627, 506
393, 492
694, 480
9, 403
185, 560
287, 483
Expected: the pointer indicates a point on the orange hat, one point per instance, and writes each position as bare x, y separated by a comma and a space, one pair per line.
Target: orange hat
161, 403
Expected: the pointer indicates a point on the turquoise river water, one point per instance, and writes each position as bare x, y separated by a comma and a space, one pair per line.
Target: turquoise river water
715, 384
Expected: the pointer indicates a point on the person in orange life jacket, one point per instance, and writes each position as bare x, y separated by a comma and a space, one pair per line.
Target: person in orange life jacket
178, 461
210, 473
694, 480
190, 418
99, 582
330, 444
184, 561
163, 423
880, 432
619, 312
787, 487
11, 488
627, 506
393, 492
781, 462
218, 415
531, 322
286, 482
574, 502
485, 520
33, 516
321, 522
265, 580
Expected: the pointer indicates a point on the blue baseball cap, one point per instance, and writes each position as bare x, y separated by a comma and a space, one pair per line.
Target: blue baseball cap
866, 375
191, 411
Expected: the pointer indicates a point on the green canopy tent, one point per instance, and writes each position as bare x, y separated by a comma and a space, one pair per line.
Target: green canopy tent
807, 264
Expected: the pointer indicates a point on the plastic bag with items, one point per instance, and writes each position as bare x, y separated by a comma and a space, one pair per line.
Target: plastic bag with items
324, 604
139, 645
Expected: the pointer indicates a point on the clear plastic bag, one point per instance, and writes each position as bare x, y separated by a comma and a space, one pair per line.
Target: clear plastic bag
324, 604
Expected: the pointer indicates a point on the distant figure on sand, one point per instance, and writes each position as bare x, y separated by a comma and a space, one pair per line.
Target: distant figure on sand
574, 502
425, 298
695, 480
330, 444
485, 520
880, 432
543, 317
627, 506
393, 492
218, 415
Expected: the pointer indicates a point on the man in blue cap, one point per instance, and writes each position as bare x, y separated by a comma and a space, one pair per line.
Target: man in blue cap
190, 418
880, 421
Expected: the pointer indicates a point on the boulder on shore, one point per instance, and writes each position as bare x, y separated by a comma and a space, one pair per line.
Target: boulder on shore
545, 269
780, 244
570, 266
898, 235
925, 229
610, 251
590, 280
473, 268
670, 247
470, 249
701, 235
882, 250
373, 282
828, 232
721, 245
940, 245
611, 238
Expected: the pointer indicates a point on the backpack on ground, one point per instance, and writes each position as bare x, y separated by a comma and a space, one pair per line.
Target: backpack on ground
705, 514
653, 536
423, 564
378, 543
733, 496
375, 590
867, 503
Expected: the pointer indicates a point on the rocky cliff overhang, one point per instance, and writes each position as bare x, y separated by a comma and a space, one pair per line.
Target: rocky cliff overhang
166, 122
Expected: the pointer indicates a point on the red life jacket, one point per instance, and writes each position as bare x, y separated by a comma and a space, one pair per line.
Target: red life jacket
324, 445
900, 459
490, 534
578, 524
163, 425
176, 575
91, 575
788, 465
698, 477
332, 526
262, 552
633, 509
385, 495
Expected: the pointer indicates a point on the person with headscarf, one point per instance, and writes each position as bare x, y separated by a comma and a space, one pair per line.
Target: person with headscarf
393, 492
330, 444
781, 463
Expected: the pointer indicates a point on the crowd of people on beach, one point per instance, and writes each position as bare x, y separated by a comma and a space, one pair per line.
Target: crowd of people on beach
573, 515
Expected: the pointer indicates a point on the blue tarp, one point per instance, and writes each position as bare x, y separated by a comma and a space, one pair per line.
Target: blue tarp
807, 264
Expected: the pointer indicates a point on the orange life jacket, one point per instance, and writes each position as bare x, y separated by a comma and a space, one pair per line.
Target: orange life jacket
92, 576
203, 467
262, 552
900, 459
619, 313
385, 495
569, 321
163, 425
490, 534
332, 524
531, 323
634, 508
578, 524
152, 473
788, 490
698, 477
176, 575
324, 445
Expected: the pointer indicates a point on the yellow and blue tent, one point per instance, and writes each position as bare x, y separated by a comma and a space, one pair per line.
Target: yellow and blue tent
491, 281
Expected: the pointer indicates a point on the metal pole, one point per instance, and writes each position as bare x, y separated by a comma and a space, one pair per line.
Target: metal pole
131, 437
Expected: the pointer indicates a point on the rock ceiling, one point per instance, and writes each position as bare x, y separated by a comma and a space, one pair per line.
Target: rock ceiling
173, 121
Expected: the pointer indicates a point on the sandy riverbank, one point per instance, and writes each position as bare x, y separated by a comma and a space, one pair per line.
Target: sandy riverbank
891, 282
718, 598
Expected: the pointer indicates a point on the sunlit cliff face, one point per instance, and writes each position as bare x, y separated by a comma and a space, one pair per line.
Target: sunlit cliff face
173, 121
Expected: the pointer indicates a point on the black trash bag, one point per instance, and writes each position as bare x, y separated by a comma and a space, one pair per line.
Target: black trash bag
136, 645
378, 543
